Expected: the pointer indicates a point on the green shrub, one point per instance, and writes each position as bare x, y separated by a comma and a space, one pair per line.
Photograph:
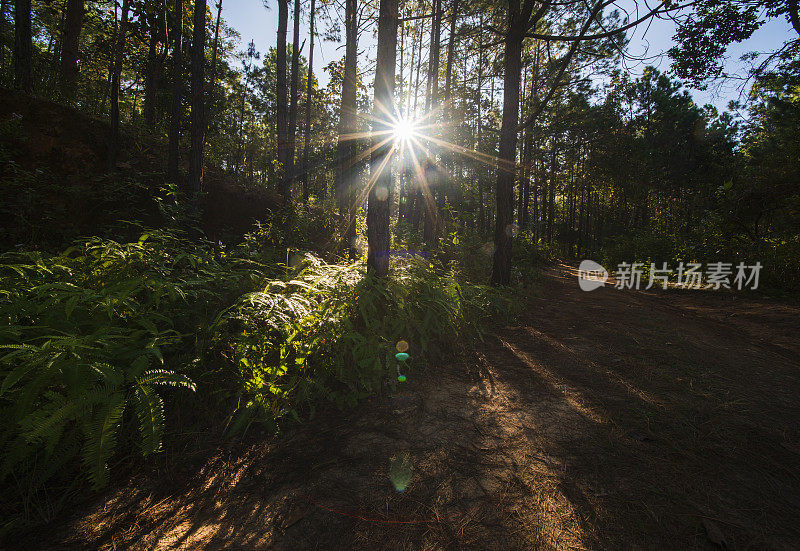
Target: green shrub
331, 332
88, 338
93, 339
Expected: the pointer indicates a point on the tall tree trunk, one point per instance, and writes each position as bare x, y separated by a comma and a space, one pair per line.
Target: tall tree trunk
411, 71
478, 133
506, 175
309, 90
23, 46
551, 199
281, 104
419, 65
432, 92
427, 188
212, 81
416, 192
380, 193
177, 91
198, 98
450, 51
3, 8
155, 63
535, 201
150, 78
293, 96
524, 190
70, 37
527, 187
346, 169
119, 47
448, 157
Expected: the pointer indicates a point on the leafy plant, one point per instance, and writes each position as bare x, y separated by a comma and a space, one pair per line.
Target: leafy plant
331, 332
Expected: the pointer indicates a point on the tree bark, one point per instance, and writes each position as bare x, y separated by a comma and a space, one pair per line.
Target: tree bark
378, 237
551, 199
281, 105
427, 187
506, 175
3, 6
450, 51
177, 91
346, 171
309, 90
212, 81
157, 26
448, 158
198, 98
119, 46
23, 46
293, 97
73, 22
215, 47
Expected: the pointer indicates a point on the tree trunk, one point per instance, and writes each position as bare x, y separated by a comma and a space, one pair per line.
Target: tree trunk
212, 81
427, 187
416, 193
419, 65
293, 97
155, 63
281, 104
478, 133
448, 158
3, 7
177, 91
536, 179
506, 175
119, 46
346, 170
198, 98
551, 199
309, 90
378, 237
73, 22
23, 46
450, 51
150, 78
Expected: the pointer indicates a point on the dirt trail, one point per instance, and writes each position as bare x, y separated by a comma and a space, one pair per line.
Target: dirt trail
603, 420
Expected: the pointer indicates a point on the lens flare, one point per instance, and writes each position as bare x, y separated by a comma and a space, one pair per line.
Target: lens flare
400, 471
404, 130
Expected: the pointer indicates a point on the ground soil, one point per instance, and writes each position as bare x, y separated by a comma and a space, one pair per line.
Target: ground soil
613, 419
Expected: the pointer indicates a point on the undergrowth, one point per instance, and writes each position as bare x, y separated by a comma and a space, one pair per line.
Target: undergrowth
99, 343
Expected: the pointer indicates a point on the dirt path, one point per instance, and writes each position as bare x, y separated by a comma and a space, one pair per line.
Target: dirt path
604, 420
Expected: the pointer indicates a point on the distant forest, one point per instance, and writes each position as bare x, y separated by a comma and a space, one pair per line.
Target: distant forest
528, 127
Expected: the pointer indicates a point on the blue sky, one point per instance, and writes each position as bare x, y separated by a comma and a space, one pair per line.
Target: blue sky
253, 21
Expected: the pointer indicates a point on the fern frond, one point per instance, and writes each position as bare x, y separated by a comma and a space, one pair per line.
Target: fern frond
101, 438
150, 411
45, 424
166, 378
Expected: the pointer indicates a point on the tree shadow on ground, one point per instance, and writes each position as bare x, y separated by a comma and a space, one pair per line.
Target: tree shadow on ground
604, 420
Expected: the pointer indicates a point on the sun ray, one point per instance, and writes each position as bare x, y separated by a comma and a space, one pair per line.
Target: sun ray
422, 180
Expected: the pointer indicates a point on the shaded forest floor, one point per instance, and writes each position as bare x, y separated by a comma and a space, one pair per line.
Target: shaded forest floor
603, 420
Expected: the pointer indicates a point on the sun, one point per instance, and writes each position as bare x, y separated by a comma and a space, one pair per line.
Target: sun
403, 130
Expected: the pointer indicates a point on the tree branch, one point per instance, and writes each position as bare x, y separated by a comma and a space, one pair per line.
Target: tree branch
567, 58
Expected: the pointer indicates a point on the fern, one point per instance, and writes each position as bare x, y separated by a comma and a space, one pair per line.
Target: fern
150, 411
101, 437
